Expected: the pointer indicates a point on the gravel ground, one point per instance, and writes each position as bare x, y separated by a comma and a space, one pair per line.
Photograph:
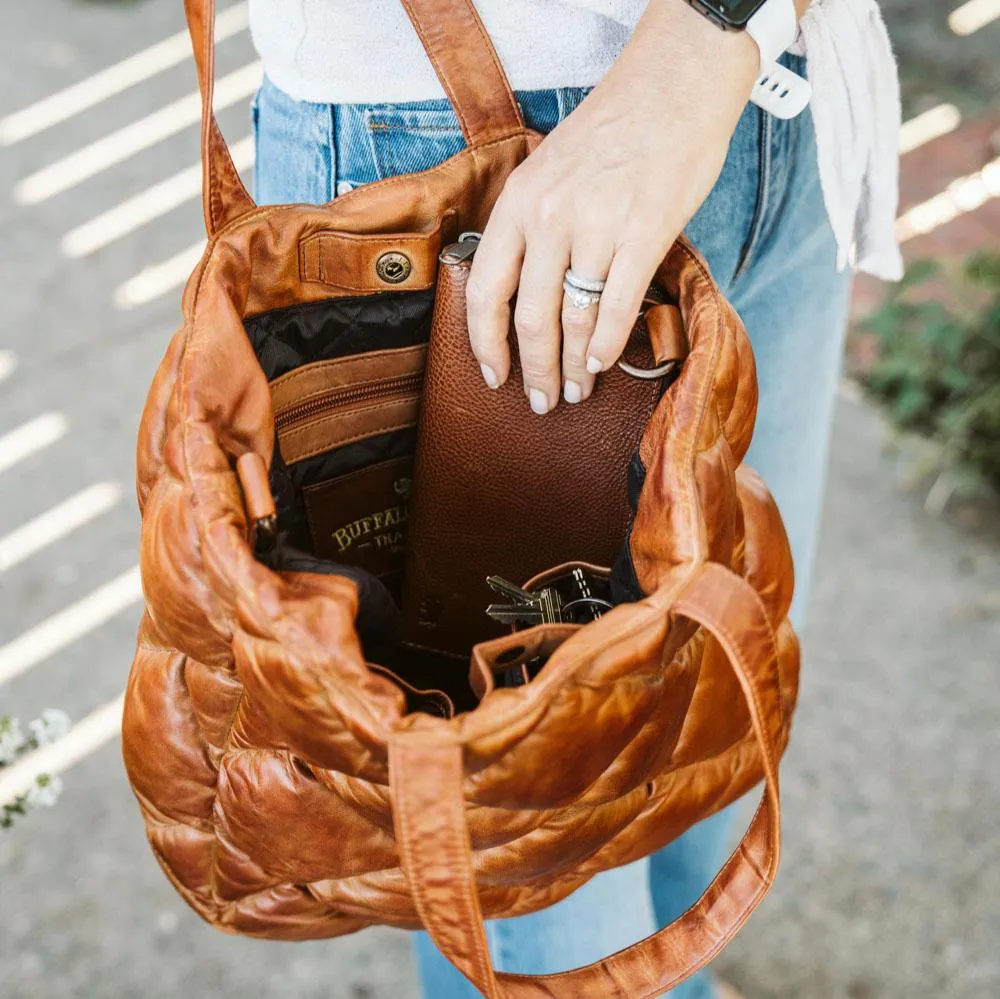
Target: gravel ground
891, 879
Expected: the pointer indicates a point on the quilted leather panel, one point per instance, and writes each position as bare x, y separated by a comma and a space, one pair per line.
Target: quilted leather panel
255, 736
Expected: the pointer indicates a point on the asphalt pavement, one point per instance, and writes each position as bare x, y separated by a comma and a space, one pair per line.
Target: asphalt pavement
891, 883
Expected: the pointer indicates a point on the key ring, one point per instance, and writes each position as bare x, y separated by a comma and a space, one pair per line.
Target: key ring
648, 374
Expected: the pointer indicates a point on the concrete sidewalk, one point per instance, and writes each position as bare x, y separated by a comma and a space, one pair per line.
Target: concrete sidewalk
890, 883
891, 880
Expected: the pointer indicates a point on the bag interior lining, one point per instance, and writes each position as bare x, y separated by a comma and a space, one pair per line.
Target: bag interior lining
287, 339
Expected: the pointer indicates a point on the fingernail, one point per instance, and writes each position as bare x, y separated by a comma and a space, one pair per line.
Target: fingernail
594, 366
572, 392
490, 376
539, 401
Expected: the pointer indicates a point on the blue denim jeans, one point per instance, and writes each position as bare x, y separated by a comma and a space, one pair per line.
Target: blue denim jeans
765, 234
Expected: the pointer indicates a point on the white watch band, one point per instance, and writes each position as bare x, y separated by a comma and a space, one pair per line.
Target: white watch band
773, 28
781, 92
778, 90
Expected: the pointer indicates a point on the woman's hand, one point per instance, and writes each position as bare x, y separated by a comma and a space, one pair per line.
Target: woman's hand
607, 193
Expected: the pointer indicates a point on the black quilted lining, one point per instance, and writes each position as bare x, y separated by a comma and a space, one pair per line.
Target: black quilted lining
286, 339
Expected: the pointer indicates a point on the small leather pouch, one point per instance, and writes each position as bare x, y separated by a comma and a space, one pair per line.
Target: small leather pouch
361, 518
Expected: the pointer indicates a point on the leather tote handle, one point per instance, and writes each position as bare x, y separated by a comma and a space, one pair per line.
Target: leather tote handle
456, 42
223, 195
426, 783
467, 65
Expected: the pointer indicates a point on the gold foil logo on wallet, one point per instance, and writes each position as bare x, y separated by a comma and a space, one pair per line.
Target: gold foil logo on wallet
361, 518
384, 530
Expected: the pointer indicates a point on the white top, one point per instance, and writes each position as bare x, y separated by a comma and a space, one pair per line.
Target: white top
365, 51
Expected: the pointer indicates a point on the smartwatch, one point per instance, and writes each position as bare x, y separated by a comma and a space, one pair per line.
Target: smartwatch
773, 25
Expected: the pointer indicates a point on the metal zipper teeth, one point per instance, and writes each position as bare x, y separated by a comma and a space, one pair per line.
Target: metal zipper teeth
342, 398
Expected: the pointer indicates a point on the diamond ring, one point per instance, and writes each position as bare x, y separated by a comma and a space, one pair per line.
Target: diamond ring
593, 285
580, 299
582, 292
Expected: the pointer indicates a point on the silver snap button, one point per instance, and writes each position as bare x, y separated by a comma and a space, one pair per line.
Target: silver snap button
393, 267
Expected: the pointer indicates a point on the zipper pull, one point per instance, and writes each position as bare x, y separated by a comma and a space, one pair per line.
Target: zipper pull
464, 249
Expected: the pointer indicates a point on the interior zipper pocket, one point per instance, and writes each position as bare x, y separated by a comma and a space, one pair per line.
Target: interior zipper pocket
329, 404
340, 400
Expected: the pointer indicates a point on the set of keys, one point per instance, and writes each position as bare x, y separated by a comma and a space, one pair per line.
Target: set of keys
569, 600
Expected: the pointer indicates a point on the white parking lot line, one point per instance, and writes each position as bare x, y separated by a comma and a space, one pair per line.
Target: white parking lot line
8, 362
159, 279
63, 105
30, 438
56, 523
62, 629
974, 15
147, 206
132, 139
960, 197
928, 126
84, 738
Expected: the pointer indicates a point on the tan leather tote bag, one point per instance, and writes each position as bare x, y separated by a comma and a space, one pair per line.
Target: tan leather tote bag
323, 728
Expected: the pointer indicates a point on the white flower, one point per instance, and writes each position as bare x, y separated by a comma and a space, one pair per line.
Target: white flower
45, 792
12, 740
53, 725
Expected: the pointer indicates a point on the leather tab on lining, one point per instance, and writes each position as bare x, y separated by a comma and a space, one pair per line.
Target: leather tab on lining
354, 263
429, 702
514, 650
251, 470
667, 335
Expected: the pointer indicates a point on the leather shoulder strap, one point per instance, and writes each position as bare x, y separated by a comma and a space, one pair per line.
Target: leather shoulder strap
429, 812
224, 196
457, 45
467, 66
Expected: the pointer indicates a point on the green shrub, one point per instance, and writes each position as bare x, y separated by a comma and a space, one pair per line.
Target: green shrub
937, 364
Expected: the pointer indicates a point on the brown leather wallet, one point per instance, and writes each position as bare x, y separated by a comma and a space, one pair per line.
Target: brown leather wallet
489, 491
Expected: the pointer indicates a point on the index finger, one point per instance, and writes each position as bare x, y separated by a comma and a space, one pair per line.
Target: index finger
493, 280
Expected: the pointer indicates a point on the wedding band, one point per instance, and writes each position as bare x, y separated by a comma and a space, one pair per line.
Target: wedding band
580, 298
593, 285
